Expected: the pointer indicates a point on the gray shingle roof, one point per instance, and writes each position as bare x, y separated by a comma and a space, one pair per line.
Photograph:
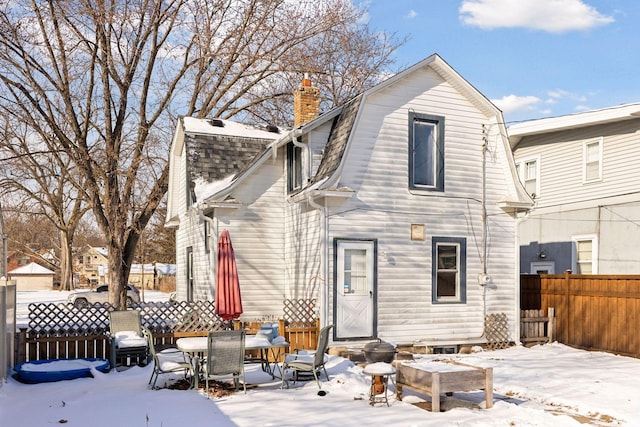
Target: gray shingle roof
338, 138
214, 153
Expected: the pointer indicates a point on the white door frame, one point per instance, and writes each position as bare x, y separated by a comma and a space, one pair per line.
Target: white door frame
355, 304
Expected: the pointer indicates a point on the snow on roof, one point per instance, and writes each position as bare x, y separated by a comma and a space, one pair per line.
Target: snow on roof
30, 269
229, 128
204, 189
166, 269
137, 269
101, 250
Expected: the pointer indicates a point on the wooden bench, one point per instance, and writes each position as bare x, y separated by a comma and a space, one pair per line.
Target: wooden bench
434, 378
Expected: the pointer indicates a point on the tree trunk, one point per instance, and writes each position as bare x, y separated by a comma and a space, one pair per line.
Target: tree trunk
118, 276
66, 262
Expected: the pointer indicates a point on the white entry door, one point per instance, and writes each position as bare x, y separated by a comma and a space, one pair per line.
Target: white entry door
355, 292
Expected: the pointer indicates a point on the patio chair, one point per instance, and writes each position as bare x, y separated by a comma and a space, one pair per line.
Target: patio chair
167, 361
127, 340
225, 356
308, 362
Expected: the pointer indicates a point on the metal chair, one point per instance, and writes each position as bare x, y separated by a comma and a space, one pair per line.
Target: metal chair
127, 339
167, 361
311, 362
225, 356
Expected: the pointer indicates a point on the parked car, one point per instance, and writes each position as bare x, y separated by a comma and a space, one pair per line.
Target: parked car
100, 295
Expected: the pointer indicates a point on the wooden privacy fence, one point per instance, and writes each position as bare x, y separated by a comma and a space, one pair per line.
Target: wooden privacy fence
595, 312
59, 331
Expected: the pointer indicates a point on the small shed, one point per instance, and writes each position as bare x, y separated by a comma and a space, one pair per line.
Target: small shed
32, 277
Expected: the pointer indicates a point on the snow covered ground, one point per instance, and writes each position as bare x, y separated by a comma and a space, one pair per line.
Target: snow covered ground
549, 385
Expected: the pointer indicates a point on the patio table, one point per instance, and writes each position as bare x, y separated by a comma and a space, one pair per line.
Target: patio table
196, 347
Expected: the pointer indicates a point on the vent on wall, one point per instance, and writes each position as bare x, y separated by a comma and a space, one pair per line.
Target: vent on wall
272, 128
216, 122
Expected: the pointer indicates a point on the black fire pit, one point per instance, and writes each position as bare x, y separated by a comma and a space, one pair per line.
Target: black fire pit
379, 351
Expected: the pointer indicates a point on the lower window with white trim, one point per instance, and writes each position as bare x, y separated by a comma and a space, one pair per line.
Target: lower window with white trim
449, 270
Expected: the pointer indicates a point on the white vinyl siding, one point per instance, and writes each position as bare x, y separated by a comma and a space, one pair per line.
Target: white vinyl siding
562, 175
377, 166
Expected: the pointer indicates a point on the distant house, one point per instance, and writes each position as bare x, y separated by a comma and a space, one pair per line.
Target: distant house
581, 169
19, 258
32, 277
89, 264
396, 211
151, 274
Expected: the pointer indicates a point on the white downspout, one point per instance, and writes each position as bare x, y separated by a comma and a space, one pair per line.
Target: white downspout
324, 256
307, 152
212, 262
517, 274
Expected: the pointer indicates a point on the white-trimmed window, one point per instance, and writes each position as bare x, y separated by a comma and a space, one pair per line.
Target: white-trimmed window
426, 152
449, 271
585, 254
592, 160
294, 167
529, 174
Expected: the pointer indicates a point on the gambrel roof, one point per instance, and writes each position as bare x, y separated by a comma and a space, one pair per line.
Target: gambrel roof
233, 156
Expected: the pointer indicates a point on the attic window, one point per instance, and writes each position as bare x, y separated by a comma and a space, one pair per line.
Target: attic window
426, 152
294, 167
216, 122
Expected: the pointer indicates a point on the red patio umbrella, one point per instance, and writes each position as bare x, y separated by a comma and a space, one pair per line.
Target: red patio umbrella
228, 303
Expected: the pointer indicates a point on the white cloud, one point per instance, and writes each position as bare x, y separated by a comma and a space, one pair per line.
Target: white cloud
580, 108
558, 93
554, 16
513, 103
412, 14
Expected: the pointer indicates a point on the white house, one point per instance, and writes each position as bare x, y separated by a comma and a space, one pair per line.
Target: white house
581, 170
396, 211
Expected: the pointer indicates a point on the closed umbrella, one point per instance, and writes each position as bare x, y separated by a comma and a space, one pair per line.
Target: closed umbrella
228, 303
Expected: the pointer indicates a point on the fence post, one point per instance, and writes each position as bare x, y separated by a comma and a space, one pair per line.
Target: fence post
551, 325
567, 317
7, 326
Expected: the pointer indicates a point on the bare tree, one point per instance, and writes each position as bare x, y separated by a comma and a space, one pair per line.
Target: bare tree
36, 170
106, 80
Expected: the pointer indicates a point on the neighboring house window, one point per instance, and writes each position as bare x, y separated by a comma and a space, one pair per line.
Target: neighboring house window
592, 164
529, 174
426, 152
294, 167
585, 254
449, 271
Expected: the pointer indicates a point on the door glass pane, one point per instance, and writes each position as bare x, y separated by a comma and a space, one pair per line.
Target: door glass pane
355, 271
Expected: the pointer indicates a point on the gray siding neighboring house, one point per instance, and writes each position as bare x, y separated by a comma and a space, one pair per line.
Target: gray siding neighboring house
582, 169
396, 211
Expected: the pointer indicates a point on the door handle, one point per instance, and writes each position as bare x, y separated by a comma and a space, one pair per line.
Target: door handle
370, 294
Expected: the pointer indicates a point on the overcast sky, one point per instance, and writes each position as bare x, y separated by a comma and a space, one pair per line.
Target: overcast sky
532, 58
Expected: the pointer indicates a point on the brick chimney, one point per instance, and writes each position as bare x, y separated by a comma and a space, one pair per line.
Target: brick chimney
306, 102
